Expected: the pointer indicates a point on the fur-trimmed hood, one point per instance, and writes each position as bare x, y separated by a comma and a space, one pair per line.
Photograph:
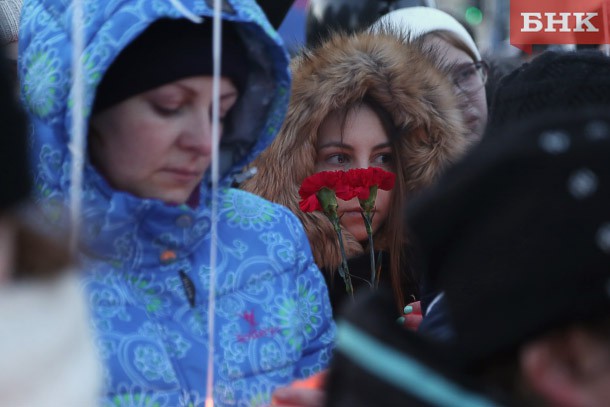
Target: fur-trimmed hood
401, 78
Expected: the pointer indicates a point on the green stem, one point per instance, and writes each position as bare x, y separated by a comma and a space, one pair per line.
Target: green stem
369, 231
343, 268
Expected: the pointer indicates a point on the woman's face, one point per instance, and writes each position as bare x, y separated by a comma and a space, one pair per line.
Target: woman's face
158, 144
472, 104
362, 143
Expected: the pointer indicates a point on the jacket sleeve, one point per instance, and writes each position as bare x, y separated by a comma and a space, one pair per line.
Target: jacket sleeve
315, 312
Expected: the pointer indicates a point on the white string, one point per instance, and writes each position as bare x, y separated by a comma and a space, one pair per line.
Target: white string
76, 146
216, 56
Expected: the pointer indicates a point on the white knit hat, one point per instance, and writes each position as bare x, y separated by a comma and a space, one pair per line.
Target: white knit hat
10, 11
415, 22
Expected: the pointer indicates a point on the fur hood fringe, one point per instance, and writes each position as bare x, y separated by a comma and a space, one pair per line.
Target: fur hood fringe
401, 77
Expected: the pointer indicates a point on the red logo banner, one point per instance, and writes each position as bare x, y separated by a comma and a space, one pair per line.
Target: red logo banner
559, 22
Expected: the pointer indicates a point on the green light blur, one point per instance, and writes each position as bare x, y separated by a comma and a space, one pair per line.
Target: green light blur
473, 16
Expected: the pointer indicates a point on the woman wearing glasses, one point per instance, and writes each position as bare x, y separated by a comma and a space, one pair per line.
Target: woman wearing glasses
456, 53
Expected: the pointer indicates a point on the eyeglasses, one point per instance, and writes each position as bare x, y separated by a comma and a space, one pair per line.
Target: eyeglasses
470, 78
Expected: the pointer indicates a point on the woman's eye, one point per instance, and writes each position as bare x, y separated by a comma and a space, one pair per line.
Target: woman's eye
338, 159
383, 159
167, 110
467, 72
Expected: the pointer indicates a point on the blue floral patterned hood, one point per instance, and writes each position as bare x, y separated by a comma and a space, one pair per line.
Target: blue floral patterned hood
147, 265
45, 68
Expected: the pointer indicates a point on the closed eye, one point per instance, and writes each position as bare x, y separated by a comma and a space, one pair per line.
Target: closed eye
167, 111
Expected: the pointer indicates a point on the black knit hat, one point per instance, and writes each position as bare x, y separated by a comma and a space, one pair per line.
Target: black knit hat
553, 80
169, 50
14, 171
518, 233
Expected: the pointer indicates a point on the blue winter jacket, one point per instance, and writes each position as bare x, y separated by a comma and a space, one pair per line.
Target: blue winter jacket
147, 264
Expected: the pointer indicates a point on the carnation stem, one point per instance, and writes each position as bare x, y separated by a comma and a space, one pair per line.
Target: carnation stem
343, 268
369, 231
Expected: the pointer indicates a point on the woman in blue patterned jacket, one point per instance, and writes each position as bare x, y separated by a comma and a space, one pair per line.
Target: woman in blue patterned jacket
147, 198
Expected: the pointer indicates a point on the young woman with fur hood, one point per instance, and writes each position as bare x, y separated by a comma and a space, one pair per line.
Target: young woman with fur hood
358, 101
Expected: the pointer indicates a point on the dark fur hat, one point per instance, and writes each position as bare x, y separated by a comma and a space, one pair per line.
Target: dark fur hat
553, 80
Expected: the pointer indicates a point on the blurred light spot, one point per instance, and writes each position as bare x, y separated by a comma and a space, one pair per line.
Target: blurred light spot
603, 237
582, 183
597, 130
554, 142
474, 16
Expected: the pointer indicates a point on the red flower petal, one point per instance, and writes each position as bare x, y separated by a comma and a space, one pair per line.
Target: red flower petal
310, 204
334, 180
384, 179
362, 179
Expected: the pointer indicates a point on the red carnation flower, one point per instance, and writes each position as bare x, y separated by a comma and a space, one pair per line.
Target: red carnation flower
362, 179
320, 192
332, 180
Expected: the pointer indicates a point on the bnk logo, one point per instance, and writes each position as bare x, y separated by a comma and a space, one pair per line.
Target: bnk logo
532, 22
558, 22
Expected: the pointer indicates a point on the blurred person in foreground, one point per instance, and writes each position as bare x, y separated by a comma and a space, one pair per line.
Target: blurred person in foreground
46, 348
553, 81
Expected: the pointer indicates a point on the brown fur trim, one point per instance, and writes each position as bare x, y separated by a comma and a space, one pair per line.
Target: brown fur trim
402, 79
